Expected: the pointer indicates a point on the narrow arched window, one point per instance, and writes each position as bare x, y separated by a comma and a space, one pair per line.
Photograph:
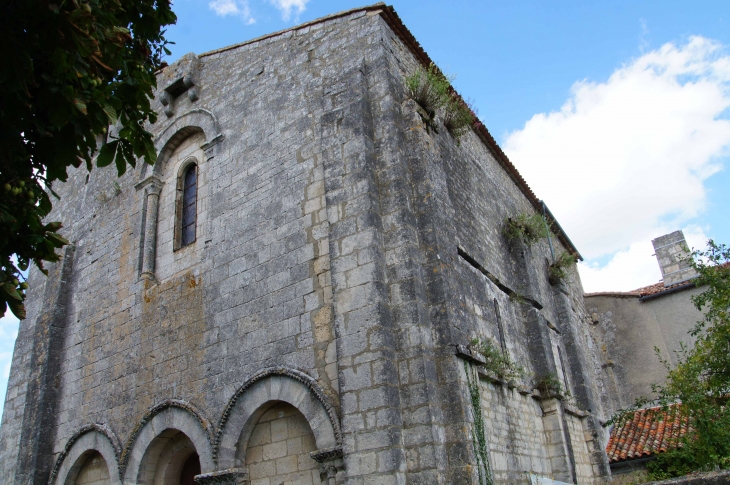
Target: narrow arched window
189, 205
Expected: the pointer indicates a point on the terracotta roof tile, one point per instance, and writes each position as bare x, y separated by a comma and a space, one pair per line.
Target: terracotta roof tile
644, 290
647, 432
659, 287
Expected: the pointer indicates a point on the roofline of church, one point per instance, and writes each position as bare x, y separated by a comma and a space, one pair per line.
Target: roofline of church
388, 13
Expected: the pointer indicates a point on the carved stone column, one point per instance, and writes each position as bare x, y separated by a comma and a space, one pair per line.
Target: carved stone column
152, 187
232, 476
331, 465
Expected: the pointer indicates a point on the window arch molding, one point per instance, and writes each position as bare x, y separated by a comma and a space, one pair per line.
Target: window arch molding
186, 203
176, 131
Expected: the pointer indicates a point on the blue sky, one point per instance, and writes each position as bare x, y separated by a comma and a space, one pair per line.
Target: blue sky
615, 112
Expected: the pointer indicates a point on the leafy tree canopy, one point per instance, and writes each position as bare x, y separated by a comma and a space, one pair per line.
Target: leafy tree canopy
700, 383
71, 68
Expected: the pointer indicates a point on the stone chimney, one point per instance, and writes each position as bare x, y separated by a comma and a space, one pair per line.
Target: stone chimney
671, 250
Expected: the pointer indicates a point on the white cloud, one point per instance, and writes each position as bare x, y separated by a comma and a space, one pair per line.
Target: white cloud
238, 8
625, 160
286, 7
634, 267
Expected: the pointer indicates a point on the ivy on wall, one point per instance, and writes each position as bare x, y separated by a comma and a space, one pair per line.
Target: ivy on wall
478, 435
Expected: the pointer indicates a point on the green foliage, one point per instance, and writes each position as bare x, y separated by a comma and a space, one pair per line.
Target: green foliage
528, 228
517, 297
558, 270
498, 362
71, 69
700, 382
550, 385
458, 116
478, 432
431, 89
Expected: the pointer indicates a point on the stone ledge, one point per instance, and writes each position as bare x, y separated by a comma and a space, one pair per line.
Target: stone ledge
570, 409
232, 476
321, 456
721, 477
463, 352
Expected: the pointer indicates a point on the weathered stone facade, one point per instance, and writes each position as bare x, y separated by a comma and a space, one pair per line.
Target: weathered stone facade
345, 255
629, 326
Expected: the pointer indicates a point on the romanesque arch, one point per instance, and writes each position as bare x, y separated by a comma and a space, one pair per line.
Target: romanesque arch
89, 440
167, 435
194, 121
255, 397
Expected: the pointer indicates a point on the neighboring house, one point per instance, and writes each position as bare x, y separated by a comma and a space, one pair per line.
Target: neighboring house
628, 326
637, 440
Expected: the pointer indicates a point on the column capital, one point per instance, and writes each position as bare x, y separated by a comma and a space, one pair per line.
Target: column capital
331, 465
152, 183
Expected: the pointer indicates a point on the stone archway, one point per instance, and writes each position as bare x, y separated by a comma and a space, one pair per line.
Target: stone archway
301, 400
194, 121
164, 460
160, 446
279, 446
90, 456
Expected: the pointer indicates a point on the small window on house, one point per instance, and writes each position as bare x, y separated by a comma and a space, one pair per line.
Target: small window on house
188, 216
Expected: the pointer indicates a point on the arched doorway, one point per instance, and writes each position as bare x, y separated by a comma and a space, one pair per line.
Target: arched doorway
277, 449
170, 459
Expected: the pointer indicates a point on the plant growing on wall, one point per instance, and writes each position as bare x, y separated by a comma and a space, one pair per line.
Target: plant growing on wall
458, 116
479, 437
498, 361
549, 385
558, 269
429, 88
529, 228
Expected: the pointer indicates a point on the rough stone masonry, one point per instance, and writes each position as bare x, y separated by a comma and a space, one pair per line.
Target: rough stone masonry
317, 328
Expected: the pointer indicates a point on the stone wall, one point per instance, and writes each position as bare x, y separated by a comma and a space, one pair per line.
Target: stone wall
343, 251
628, 329
279, 447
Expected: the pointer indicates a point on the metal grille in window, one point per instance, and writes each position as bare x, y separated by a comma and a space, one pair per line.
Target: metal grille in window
189, 205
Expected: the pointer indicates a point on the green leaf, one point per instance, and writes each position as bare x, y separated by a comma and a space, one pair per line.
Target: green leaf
57, 240
106, 154
80, 105
9, 289
18, 309
111, 113
120, 160
150, 156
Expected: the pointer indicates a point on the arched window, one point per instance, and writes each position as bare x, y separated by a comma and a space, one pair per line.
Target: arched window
189, 212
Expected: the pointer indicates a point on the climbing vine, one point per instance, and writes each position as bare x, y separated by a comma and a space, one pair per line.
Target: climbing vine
478, 435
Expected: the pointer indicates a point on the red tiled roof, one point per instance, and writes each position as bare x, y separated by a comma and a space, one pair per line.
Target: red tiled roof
644, 290
659, 287
647, 432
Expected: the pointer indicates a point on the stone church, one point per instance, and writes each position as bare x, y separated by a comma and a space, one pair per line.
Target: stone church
292, 293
